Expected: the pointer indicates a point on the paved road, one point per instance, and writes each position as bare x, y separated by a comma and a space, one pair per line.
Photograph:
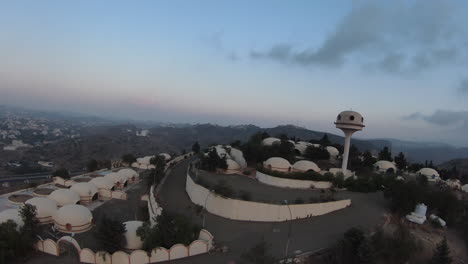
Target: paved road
306, 234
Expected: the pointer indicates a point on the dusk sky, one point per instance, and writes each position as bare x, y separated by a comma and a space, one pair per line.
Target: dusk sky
402, 64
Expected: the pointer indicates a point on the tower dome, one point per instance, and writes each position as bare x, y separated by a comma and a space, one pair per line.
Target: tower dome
350, 120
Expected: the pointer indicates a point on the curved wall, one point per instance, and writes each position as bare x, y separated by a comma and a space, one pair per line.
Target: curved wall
291, 183
253, 211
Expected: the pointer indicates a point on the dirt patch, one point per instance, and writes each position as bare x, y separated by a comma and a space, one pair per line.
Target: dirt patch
43, 191
61, 186
19, 198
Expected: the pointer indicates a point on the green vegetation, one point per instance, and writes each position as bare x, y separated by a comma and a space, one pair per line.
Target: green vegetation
110, 234
94, 165
196, 147
385, 154
259, 254
314, 153
129, 158
212, 161
155, 176
170, 230
400, 161
62, 172
441, 254
357, 248
309, 175
158, 161
18, 243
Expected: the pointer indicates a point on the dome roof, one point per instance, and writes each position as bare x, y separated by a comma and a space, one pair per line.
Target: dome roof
73, 218
145, 160
333, 151
45, 208
64, 197
301, 146
349, 120
11, 214
102, 183
116, 177
305, 165
232, 165
133, 240
129, 173
166, 156
84, 189
277, 163
270, 141
428, 172
238, 156
384, 165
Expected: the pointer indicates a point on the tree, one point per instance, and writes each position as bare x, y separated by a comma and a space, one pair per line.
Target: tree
92, 165
385, 154
368, 160
110, 234
441, 254
196, 147
62, 172
128, 158
400, 161
324, 141
158, 161
314, 153
259, 254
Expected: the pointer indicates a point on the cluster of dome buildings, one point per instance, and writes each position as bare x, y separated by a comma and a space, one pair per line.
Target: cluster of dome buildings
63, 207
145, 162
388, 166
234, 158
283, 165
300, 147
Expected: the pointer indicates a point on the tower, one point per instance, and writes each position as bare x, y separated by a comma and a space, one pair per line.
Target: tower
349, 122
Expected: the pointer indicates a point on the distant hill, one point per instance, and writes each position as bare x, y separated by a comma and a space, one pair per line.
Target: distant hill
461, 164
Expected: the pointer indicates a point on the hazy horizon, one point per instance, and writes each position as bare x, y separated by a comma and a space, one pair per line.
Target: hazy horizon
402, 65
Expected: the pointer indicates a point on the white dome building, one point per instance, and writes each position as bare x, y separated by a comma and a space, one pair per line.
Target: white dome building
384, 166
64, 197
334, 153
166, 156
45, 209
221, 151
431, 174
145, 160
238, 157
232, 166
277, 164
131, 174
103, 183
305, 165
133, 240
73, 218
119, 180
88, 192
302, 146
11, 214
270, 141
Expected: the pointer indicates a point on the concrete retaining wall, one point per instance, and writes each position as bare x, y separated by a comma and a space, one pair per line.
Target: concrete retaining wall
291, 183
254, 211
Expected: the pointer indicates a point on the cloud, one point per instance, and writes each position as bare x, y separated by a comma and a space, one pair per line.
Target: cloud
394, 37
453, 119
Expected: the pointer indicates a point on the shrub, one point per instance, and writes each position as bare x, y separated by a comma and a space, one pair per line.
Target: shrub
222, 188
246, 196
299, 200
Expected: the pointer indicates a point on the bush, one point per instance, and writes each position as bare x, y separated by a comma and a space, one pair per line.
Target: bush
222, 188
309, 175
62, 172
299, 200
246, 196
110, 234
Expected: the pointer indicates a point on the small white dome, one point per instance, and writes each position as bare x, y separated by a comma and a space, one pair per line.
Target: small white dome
64, 197
430, 173
129, 173
85, 190
133, 240
384, 166
73, 218
45, 208
270, 141
102, 183
11, 214
333, 151
278, 164
166, 156
117, 178
238, 156
232, 166
305, 165
145, 160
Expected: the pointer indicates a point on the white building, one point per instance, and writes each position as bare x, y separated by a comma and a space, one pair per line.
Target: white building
278, 164
431, 174
385, 166
73, 218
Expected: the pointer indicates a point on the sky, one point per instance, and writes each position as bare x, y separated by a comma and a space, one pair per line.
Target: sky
401, 64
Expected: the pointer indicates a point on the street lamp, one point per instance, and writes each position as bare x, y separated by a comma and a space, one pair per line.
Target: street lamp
289, 231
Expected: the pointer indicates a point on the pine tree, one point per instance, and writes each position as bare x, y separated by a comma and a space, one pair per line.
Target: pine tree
385, 154
441, 254
400, 161
196, 147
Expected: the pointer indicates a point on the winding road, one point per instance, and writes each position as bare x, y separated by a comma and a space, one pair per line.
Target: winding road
307, 235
